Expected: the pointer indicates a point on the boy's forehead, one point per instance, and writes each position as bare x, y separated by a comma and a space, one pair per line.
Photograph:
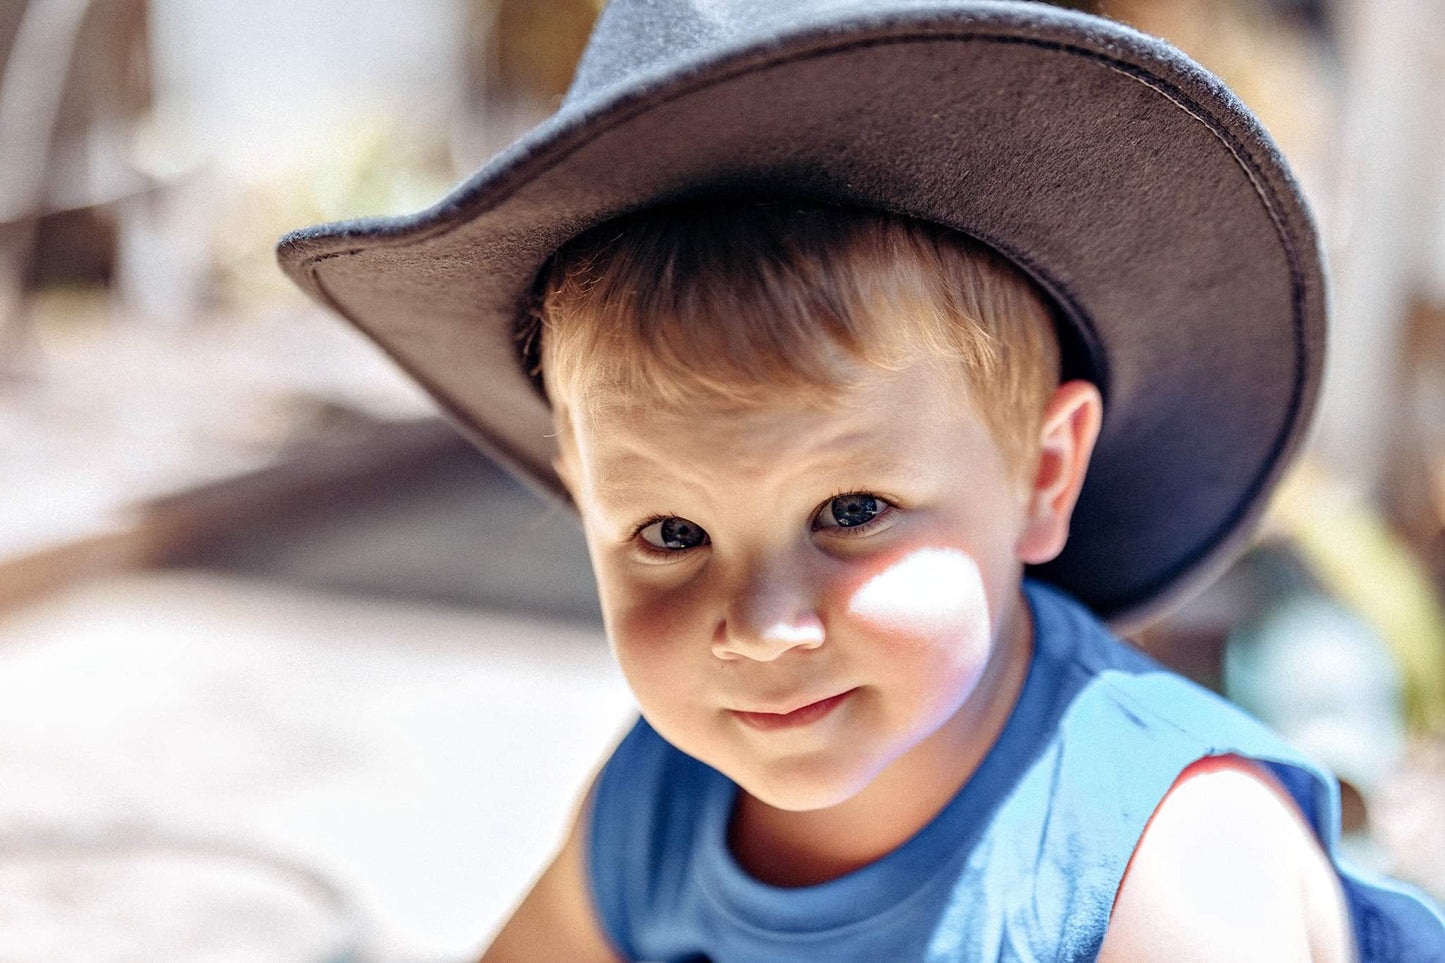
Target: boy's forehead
888, 424
861, 389
692, 467
835, 416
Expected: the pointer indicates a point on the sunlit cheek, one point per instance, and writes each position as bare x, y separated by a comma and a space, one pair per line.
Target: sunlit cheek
928, 596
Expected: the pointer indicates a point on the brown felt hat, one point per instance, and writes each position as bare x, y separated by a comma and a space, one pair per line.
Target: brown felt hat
1125, 179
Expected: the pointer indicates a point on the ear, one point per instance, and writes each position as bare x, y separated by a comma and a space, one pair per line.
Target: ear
1069, 429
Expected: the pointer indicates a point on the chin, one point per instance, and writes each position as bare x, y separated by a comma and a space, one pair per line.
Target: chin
802, 789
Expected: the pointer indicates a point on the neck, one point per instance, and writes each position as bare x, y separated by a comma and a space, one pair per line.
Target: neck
786, 848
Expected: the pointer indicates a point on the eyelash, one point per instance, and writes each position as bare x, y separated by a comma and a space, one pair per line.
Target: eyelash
889, 507
642, 542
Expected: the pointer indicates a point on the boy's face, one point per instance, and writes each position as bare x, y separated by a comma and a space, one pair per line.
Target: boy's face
735, 581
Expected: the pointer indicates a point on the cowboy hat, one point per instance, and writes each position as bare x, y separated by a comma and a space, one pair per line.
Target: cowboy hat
1137, 191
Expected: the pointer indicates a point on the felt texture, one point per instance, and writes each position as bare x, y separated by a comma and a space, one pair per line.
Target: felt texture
1127, 180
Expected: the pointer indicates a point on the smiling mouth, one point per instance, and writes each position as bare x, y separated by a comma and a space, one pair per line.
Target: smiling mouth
798, 717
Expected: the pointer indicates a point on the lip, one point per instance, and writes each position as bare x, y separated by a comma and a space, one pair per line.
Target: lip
802, 716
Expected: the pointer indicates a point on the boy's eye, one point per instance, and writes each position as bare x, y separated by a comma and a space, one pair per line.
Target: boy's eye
849, 511
673, 533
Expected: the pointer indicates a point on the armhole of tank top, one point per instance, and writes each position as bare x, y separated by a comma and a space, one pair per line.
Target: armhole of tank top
1265, 771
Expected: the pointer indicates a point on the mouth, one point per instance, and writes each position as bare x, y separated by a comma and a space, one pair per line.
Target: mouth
802, 716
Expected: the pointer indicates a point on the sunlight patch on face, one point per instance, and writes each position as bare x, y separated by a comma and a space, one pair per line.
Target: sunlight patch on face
794, 633
926, 593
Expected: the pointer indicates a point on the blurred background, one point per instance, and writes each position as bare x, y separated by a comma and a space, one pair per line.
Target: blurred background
289, 672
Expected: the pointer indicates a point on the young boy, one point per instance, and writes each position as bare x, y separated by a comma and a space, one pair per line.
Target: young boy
836, 321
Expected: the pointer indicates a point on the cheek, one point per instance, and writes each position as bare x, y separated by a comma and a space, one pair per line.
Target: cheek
928, 618
653, 632
925, 597
651, 627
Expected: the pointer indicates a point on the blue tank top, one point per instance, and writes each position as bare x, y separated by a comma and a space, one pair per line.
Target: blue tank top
1022, 864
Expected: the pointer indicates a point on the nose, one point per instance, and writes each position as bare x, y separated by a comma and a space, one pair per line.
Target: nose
764, 621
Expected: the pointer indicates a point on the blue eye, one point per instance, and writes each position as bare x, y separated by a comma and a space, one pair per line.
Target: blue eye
852, 510
674, 534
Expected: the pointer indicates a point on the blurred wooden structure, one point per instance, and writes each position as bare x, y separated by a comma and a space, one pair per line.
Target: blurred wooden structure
1415, 475
74, 82
520, 56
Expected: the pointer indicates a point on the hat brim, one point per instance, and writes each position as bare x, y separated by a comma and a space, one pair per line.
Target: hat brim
1128, 181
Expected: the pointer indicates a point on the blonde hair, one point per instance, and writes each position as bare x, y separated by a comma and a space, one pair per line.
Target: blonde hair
733, 303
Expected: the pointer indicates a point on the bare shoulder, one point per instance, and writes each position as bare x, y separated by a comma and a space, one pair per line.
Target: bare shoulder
1228, 869
556, 919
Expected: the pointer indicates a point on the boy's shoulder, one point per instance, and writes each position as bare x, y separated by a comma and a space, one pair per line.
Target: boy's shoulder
1227, 867
1188, 777
1101, 679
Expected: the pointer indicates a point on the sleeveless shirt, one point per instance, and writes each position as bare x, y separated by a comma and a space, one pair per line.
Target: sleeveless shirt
1022, 864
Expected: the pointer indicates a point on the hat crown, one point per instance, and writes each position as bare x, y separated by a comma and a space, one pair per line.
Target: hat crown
634, 37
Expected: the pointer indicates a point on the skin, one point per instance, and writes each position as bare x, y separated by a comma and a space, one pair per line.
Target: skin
1228, 869
917, 615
